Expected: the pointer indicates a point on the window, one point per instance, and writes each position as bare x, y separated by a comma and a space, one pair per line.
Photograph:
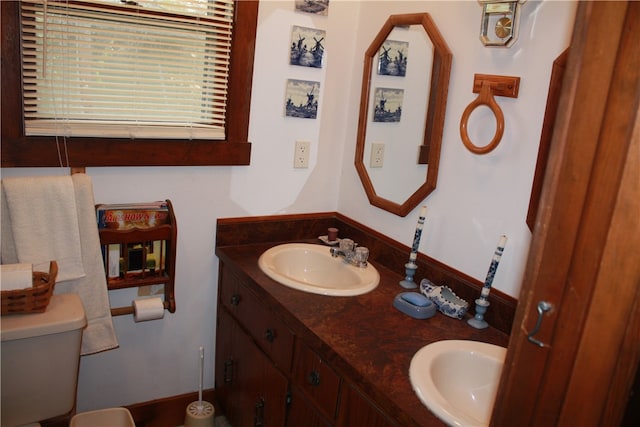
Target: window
94, 70
113, 83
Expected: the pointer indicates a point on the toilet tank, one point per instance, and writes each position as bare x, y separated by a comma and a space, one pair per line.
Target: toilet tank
40, 358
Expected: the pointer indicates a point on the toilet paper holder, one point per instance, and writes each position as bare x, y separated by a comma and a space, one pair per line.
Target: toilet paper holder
164, 274
121, 311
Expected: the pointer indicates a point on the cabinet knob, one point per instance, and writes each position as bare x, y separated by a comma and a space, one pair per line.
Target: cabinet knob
235, 299
314, 378
270, 335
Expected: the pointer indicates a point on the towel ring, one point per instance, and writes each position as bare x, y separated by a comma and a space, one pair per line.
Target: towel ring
485, 98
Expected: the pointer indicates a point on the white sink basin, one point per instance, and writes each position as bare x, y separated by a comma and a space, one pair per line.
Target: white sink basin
458, 380
311, 268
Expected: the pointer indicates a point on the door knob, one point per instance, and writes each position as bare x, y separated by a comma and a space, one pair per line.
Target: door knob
543, 307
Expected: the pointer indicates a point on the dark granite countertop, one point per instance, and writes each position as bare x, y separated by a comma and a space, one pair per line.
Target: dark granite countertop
364, 338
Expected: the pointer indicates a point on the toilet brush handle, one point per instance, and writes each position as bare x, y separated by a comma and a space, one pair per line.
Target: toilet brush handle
201, 377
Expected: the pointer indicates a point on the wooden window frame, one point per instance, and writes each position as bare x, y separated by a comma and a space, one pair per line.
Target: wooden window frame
18, 150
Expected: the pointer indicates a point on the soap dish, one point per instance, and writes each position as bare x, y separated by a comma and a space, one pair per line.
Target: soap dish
415, 305
325, 239
445, 299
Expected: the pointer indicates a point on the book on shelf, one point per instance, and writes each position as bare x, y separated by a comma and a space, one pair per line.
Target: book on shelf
135, 260
126, 216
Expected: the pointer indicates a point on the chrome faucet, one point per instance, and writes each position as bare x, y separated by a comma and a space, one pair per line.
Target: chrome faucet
351, 253
346, 254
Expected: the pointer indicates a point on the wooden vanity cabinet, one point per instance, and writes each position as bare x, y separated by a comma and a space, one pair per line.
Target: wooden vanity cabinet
266, 376
250, 389
253, 349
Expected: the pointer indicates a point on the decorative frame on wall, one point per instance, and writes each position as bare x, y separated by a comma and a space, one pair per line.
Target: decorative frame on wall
388, 104
318, 7
301, 99
393, 65
301, 54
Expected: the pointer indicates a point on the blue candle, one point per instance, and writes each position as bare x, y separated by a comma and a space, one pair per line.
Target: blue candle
493, 267
416, 237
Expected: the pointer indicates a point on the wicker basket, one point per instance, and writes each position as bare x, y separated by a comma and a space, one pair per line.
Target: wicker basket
34, 299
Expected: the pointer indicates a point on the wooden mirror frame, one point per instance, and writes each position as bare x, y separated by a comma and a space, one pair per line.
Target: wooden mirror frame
434, 121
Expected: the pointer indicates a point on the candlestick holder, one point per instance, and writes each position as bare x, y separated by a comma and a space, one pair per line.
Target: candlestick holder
409, 271
478, 321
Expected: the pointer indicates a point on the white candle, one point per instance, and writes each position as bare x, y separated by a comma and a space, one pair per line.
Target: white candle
416, 238
493, 267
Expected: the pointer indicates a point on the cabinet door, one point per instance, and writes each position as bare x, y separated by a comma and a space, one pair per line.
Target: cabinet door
302, 413
316, 379
271, 335
224, 362
251, 390
357, 410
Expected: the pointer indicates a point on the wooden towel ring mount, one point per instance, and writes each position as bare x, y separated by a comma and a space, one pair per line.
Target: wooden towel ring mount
488, 87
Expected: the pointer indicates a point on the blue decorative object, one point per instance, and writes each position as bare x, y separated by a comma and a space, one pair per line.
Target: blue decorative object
493, 267
445, 299
482, 303
411, 267
478, 321
416, 237
409, 271
415, 305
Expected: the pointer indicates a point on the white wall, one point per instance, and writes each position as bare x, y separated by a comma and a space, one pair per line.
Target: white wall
478, 197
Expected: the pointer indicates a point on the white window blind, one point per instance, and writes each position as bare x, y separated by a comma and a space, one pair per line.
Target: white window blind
144, 69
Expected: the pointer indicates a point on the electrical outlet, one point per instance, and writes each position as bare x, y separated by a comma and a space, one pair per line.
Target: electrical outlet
301, 154
377, 155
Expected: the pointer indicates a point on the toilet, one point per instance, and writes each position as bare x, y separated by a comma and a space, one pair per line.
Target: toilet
40, 361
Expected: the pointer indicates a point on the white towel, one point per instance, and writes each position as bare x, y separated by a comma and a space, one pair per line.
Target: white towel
99, 334
44, 223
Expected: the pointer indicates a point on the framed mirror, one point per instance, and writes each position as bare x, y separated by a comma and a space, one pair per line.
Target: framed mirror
405, 83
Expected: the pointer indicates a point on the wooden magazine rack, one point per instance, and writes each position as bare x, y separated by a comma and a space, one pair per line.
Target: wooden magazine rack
143, 241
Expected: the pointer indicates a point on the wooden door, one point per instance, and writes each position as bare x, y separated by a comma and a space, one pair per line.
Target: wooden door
585, 252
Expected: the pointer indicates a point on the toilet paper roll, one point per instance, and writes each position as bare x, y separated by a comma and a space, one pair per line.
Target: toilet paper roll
16, 276
148, 309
